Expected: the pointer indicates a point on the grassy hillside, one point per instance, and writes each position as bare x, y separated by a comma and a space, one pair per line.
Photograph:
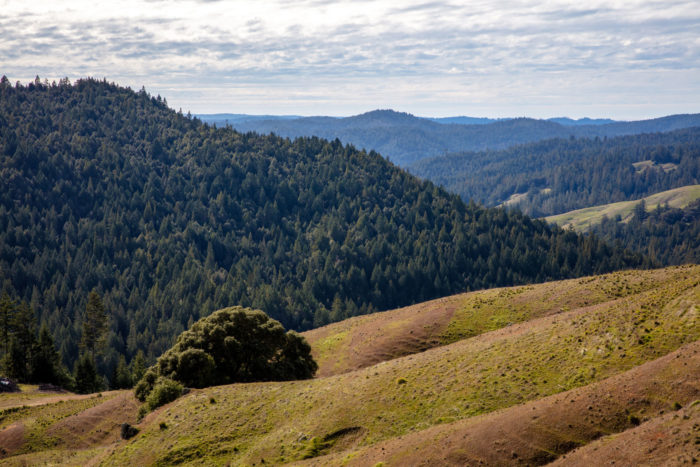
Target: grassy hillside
53, 426
670, 439
547, 429
500, 365
281, 422
367, 340
583, 219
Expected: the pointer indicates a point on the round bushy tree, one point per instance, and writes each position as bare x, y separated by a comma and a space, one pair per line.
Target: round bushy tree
232, 345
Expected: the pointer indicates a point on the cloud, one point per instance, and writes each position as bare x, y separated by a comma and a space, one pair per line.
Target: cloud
360, 53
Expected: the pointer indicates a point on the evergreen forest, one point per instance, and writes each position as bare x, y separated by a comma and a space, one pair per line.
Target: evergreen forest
560, 175
108, 191
665, 235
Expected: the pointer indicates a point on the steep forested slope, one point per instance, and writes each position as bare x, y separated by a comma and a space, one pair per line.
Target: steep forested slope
561, 175
169, 219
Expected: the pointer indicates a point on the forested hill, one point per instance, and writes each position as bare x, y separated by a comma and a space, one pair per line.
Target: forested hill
169, 219
406, 139
560, 175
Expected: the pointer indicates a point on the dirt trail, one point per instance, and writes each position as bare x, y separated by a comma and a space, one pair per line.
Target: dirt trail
45, 400
11, 439
98, 425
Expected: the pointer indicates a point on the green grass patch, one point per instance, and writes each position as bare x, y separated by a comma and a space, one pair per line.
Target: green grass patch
470, 377
583, 219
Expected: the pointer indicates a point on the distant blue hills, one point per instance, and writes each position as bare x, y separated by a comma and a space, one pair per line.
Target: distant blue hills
406, 139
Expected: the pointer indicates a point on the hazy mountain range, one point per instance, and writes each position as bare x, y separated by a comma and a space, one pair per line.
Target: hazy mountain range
406, 139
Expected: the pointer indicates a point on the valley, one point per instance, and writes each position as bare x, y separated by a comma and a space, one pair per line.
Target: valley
154, 220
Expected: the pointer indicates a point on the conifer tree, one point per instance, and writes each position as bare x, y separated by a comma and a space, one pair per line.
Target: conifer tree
86, 378
138, 366
7, 310
46, 362
122, 376
94, 324
16, 361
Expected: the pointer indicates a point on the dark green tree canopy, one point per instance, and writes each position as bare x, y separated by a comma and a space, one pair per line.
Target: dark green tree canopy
560, 175
234, 345
95, 323
103, 188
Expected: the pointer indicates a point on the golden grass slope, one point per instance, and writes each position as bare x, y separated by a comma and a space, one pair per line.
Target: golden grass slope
62, 423
541, 431
367, 340
583, 219
475, 377
247, 424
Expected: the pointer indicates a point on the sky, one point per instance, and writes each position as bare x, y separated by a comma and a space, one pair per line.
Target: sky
628, 60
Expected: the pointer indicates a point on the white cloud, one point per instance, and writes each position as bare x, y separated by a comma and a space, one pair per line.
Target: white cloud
515, 57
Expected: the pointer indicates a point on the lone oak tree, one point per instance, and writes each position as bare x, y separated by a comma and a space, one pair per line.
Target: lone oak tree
232, 345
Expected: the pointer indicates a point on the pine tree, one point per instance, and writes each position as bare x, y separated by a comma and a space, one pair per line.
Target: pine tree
22, 343
138, 366
122, 376
94, 325
7, 311
16, 361
46, 362
86, 378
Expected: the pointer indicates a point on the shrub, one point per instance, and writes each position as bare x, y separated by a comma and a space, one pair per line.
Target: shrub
128, 431
145, 385
165, 390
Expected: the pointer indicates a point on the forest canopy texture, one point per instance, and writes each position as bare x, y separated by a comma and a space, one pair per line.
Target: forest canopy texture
560, 175
103, 188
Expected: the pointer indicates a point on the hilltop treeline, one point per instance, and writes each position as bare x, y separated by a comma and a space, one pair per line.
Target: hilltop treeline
665, 235
107, 189
561, 175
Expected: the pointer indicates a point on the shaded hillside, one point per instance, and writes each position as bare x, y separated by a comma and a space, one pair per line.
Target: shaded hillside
555, 176
406, 139
169, 219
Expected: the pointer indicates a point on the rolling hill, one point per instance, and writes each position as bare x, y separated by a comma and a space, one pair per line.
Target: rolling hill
528, 374
583, 219
406, 139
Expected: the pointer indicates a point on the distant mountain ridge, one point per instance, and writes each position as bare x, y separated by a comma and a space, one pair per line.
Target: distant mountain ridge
406, 139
